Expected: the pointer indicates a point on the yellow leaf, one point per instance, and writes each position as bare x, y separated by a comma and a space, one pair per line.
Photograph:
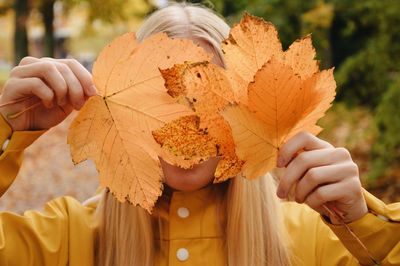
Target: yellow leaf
183, 139
115, 128
277, 95
207, 91
280, 104
250, 44
253, 144
300, 57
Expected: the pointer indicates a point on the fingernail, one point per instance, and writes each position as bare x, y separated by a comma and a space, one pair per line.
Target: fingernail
92, 91
80, 104
280, 193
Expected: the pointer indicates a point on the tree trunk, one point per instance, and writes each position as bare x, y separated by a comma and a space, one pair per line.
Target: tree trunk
47, 10
20, 33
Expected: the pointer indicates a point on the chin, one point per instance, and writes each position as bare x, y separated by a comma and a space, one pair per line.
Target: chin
192, 179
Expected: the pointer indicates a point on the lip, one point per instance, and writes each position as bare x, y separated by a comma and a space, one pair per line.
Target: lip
198, 176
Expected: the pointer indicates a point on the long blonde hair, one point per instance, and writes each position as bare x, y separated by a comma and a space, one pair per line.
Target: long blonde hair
254, 230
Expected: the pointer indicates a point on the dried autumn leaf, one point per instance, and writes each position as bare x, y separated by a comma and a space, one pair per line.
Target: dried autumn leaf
278, 94
300, 57
115, 128
280, 104
250, 44
284, 93
205, 88
181, 138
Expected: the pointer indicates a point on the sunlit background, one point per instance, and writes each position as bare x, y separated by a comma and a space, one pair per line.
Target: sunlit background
361, 39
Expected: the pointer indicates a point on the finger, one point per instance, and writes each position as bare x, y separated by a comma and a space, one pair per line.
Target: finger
49, 73
83, 75
75, 90
340, 191
323, 175
28, 60
305, 161
302, 140
34, 86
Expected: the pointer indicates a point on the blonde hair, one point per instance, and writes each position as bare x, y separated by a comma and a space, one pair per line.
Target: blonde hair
254, 231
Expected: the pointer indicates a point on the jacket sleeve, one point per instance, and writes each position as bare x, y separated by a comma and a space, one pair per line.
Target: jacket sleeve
11, 157
61, 234
378, 230
314, 241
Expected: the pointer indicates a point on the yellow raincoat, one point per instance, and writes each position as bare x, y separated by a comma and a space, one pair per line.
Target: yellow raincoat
63, 234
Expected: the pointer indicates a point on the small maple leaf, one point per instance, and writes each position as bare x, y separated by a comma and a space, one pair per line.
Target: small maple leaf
206, 90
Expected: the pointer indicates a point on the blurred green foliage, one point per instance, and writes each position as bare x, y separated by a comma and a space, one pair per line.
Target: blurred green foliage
360, 39
366, 49
387, 147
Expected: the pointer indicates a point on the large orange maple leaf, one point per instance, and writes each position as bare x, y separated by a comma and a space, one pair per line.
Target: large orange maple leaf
115, 128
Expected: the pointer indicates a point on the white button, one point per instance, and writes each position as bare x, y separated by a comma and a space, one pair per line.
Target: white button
5, 144
183, 212
182, 254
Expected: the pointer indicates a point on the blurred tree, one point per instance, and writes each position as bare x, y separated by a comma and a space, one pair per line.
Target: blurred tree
109, 11
318, 21
230, 8
46, 8
22, 9
20, 32
386, 149
365, 49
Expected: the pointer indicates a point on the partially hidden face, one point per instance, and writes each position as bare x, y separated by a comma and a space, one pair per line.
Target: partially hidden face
201, 174
189, 179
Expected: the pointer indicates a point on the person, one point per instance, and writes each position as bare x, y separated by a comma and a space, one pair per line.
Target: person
238, 222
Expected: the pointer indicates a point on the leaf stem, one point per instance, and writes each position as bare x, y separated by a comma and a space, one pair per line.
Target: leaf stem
338, 215
16, 101
13, 116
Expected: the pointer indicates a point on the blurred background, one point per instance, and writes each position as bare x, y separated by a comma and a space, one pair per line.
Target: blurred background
361, 39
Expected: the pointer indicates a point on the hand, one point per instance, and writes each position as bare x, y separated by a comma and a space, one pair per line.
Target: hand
56, 86
321, 174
